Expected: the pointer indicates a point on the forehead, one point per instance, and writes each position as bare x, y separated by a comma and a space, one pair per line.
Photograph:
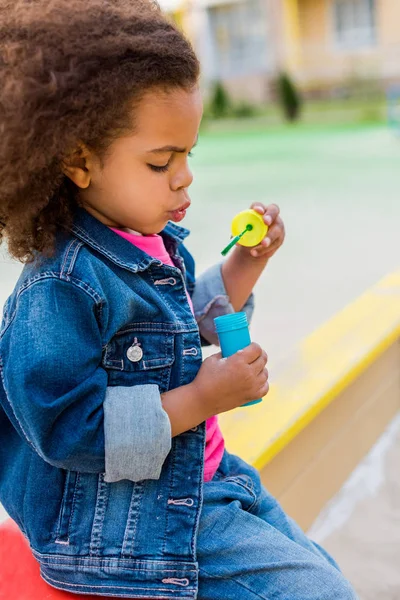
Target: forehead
169, 117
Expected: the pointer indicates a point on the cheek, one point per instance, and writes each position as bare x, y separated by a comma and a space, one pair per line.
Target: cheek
123, 180
155, 186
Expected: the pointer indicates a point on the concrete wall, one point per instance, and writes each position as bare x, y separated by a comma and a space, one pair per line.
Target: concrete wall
250, 83
309, 471
300, 38
388, 19
324, 62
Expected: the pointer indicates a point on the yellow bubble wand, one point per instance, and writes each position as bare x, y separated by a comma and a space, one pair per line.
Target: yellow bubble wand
248, 229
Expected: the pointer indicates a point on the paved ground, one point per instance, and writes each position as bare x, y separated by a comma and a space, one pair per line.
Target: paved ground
338, 191
361, 525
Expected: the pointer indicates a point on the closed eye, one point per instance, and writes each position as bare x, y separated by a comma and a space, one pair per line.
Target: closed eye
158, 169
164, 168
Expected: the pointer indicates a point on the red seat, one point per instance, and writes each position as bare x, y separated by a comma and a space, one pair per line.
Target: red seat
19, 571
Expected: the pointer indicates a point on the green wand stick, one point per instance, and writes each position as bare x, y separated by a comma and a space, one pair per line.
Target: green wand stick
235, 240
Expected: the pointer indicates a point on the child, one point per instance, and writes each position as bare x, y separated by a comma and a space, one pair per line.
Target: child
112, 461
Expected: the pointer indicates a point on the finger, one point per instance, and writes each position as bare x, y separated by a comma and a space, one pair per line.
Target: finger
273, 240
273, 247
250, 353
275, 232
260, 392
268, 252
271, 213
258, 366
262, 373
263, 391
259, 207
261, 250
263, 357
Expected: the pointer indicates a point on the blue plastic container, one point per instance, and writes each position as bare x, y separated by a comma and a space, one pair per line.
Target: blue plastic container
233, 333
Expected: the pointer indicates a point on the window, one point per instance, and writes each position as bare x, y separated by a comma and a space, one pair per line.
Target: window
354, 22
239, 38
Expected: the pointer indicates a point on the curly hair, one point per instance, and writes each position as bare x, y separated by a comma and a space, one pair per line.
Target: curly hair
70, 72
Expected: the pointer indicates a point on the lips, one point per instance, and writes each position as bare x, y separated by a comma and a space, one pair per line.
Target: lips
179, 213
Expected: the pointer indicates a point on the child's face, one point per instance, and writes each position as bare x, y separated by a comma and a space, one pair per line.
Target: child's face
144, 179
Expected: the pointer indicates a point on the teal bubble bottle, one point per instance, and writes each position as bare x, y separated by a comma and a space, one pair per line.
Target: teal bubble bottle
233, 334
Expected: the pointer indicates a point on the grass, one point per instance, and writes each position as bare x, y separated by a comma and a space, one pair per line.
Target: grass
336, 112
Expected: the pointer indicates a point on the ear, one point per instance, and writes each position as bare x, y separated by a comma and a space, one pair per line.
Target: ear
78, 166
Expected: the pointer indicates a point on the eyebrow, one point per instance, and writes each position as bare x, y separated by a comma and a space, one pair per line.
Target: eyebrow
171, 149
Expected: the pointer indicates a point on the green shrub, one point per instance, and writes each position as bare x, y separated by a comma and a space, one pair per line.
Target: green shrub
244, 110
289, 97
220, 103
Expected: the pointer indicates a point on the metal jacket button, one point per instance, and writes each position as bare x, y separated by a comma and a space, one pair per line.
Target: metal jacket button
134, 353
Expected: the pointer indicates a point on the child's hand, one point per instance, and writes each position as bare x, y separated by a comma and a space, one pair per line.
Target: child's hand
276, 231
226, 383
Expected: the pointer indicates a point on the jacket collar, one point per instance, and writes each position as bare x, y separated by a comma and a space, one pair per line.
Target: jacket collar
100, 237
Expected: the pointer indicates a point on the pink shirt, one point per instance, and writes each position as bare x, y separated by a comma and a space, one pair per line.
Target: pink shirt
154, 246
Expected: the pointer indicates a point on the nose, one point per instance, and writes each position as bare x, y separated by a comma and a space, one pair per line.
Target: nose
182, 178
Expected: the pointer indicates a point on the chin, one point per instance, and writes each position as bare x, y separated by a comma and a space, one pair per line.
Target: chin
154, 230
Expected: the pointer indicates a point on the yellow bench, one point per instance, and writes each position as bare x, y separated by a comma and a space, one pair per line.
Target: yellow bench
327, 404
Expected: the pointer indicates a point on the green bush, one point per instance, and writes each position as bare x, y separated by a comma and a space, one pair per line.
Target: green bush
244, 110
220, 103
289, 97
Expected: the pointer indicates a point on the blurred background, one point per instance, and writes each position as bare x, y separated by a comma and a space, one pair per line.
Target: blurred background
302, 109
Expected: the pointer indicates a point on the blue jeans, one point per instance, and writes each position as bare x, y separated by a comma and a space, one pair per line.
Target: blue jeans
248, 548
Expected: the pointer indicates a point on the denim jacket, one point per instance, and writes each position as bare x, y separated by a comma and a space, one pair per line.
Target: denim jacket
90, 338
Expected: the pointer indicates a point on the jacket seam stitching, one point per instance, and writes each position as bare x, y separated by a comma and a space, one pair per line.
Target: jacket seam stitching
143, 265
188, 566
120, 587
74, 257
31, 444
66, 256
70, 258
203, 313
151, 327
75, 281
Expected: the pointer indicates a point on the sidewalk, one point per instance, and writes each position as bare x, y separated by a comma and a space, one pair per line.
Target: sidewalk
360, 527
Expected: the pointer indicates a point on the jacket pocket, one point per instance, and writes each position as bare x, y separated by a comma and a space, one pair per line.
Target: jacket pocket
67, 507
135, 357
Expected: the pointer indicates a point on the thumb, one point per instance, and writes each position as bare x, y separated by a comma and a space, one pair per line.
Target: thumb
214, 358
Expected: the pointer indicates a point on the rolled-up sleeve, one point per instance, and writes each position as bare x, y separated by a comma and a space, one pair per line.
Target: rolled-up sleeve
137, 433
211, 300
57, 391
